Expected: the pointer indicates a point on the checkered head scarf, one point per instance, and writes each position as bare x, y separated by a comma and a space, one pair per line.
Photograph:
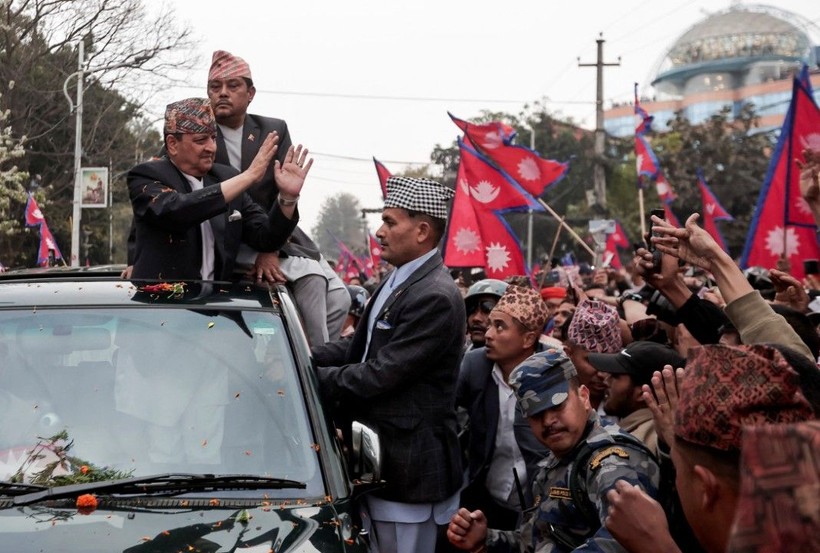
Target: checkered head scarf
225, 65
420, 195
190, 116
725, 388
525, 306
595, 327
541, 381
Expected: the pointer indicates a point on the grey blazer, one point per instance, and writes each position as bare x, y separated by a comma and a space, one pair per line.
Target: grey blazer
406, 386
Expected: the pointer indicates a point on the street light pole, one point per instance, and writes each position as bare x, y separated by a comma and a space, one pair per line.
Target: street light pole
78, 152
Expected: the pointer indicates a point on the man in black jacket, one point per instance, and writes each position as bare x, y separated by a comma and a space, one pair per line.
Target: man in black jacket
320, 294
190, 215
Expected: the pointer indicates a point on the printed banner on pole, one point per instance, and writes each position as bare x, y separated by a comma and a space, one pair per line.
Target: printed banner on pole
94, 186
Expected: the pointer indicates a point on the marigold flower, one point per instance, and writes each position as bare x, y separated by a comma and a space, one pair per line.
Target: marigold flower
86, 503
85, 469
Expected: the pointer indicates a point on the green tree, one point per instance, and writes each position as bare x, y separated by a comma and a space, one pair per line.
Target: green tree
340, 217
11, 185
125, 50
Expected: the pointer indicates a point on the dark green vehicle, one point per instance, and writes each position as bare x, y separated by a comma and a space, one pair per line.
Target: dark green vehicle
154, 417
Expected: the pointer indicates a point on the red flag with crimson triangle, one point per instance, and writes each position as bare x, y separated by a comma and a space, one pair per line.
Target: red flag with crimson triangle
477, 232
783, 224
615, 241
712, 212
523, 165
383, 174
374, 250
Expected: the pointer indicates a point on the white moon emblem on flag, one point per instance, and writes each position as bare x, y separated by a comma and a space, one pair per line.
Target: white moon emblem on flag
485, 192
710, 208
465, 187
38, 214
497, 256
802, 205
774, 242
466, 240
492, 140
528, 169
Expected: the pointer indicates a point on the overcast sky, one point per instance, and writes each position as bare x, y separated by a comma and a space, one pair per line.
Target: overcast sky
368, 78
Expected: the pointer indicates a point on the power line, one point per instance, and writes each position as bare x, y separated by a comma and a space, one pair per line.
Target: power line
400, 98
370, 159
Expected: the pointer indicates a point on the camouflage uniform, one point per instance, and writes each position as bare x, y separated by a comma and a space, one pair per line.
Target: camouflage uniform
554, 510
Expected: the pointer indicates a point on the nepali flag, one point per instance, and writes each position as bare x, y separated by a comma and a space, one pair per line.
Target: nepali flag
664, 189
712, 212
525, 166
783, 224
669, 216
383, 174
646, 162
346, 255
34, 216
615, 241
477, 231
374, 250
48, 247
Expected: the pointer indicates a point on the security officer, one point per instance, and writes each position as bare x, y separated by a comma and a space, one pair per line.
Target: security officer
585, 461
479, 301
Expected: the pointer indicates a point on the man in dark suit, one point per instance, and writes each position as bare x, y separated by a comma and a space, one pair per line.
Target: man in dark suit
190, 215
500, 438
398, 373
320, 294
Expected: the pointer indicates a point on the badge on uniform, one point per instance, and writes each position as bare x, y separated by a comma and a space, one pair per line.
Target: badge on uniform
560, 493
598, 458
383, 325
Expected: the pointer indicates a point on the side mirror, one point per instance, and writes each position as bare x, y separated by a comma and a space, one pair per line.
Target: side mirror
366, 457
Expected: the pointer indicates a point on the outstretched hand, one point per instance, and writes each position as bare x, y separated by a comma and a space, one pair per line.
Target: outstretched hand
810, 175
789, 291
290, 175
691, 243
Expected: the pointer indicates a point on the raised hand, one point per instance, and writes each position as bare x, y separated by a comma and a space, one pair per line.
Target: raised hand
290, 175
263, 157
789, 291
810, 175
637, 521
665, 384
691, 243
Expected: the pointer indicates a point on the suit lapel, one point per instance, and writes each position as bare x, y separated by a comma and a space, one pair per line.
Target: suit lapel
221, 149
419, 273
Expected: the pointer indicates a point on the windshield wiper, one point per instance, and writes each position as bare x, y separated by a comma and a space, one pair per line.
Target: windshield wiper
171, 483
18, 488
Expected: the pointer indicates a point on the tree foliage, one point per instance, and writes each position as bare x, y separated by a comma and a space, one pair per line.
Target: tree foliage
125, 50
340, 217
11, 178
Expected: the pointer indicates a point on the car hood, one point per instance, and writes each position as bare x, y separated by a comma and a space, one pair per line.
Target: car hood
171, 525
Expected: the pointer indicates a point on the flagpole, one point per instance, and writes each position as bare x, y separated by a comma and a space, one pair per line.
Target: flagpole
566, 226
555, 240
643, 212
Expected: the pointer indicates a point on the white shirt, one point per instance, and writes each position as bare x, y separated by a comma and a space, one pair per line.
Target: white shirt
506, 455
233, 145
206, 271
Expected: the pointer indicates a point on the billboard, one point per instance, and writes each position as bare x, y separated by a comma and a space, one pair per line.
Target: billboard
94, 186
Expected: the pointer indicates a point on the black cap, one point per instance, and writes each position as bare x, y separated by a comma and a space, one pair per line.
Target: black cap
639, 360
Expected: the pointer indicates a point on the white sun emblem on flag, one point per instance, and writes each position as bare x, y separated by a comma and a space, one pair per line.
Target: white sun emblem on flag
376, 251
497, 256
492, 140
802, 205
662, 187
528, 169
811, 141
466, 240
774, 242
485, 192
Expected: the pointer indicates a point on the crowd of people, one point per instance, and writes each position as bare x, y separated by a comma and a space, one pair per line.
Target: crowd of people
668, 407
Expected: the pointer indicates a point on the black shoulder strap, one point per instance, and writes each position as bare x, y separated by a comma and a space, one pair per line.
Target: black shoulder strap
581, 464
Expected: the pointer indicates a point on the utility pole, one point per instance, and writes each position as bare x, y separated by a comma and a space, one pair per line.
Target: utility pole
599, 185
78, 153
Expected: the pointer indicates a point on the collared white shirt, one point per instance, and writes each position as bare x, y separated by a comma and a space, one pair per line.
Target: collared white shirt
206, 271
500, 482
394, 280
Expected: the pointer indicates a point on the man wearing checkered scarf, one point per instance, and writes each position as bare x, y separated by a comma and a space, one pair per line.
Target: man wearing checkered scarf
399, 372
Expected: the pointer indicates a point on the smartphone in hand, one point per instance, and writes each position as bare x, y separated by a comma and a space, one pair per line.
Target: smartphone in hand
657, 256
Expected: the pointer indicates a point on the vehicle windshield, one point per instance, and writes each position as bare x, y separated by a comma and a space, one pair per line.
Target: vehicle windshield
110, 393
